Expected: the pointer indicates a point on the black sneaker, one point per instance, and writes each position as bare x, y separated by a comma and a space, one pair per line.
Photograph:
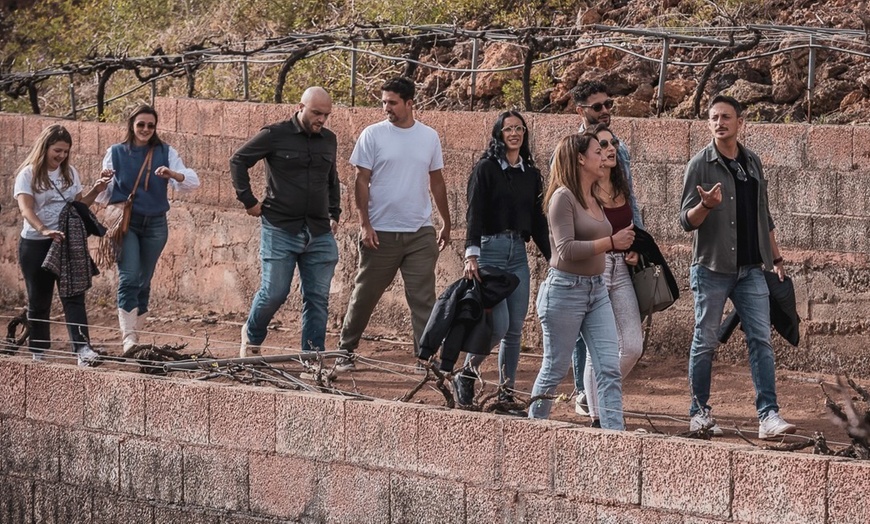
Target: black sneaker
463, 387
344, 364
510, 406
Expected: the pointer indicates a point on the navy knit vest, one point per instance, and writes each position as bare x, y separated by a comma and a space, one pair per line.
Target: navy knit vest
127, 161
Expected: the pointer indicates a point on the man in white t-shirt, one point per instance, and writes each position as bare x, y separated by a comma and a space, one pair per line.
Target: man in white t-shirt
398, 162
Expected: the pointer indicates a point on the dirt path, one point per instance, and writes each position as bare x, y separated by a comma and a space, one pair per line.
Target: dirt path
657, 387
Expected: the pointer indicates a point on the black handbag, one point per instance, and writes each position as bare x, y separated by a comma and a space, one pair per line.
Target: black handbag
651, 288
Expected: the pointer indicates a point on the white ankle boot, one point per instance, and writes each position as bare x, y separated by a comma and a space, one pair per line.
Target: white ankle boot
127, 321
140, 324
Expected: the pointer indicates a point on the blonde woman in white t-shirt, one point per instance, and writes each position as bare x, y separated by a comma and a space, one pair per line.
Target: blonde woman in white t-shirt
45, 183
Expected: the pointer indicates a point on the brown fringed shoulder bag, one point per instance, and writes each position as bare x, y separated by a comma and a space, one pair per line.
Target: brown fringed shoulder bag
117, 219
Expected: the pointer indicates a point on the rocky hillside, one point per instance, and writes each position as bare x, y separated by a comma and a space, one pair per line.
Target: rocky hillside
769, 37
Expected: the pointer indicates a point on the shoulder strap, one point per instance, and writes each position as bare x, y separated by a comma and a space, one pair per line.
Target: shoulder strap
59, 192
146, 165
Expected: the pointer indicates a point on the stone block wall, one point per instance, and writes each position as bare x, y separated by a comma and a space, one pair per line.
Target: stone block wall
818, 192
99, 446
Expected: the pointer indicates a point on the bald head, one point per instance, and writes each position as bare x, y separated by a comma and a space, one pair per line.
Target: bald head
314, 108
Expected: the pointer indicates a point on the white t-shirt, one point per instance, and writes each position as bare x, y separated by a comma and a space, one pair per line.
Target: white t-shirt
400, 161
48, 203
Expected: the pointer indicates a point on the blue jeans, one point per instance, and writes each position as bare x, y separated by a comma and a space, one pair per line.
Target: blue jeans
280, 253
617, 278
142, 246
748, 291
569, 304
506, 251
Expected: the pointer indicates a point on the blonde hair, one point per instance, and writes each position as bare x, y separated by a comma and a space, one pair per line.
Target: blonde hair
36, 158
566, 168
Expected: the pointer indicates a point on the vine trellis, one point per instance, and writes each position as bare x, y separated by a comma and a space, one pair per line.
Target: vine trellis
696, 48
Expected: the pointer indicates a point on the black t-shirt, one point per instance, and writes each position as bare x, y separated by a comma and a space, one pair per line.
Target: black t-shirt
746, 197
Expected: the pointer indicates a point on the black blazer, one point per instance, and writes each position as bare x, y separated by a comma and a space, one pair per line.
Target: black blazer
783, 311
461, 319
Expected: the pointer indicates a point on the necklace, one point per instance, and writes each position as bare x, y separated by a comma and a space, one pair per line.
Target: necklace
611, 196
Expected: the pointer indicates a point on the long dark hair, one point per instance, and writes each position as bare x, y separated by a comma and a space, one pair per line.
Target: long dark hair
130, 137
497, 148
617, 174
36, 158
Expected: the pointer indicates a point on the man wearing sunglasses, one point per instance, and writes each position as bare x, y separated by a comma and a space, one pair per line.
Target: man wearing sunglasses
725, 205
593, 104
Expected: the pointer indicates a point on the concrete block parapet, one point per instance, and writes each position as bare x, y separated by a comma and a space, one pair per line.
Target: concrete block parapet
598, 466
845, 505
203, 466
669, 465
774, 488
310, 426
339, 460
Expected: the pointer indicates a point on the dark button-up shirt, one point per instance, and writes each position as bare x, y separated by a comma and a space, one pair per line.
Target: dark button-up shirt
302, 186
714, 245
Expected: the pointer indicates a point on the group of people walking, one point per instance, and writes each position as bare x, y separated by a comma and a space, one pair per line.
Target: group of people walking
584, 221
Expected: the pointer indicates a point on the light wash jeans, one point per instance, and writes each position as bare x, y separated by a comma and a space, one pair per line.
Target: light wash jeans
569, 304
280, 254
748, 291
628, 326
142, 246
506, 251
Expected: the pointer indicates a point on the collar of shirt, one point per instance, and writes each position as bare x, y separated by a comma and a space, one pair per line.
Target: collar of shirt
505, 164
298, 128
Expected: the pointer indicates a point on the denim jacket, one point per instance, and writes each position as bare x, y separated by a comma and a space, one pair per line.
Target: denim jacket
714, 245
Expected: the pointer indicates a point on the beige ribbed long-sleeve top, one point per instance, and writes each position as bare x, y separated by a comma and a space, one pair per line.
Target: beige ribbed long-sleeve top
572, 233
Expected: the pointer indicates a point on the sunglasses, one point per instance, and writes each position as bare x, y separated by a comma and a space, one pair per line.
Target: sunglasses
513, 129
738, 170
145, 125
598, 106
604, 143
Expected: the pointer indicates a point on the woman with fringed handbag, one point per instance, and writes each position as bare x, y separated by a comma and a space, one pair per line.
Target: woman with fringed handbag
144, 169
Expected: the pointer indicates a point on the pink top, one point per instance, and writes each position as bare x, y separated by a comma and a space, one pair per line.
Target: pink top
572, 233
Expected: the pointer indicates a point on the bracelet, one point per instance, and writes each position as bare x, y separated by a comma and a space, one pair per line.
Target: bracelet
777, 261
612, 245
705, 206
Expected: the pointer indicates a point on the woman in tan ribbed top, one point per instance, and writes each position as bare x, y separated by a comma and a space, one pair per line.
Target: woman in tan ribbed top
574, 299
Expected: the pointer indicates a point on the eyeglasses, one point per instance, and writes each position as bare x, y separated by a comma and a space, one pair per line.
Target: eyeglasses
598, 106
738, 170
604, 143
513, 129
145, 125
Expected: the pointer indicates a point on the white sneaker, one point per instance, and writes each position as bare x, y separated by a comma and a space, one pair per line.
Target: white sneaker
703, 419
246, 344
773, 426
87, 356
581, 405
38, 357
